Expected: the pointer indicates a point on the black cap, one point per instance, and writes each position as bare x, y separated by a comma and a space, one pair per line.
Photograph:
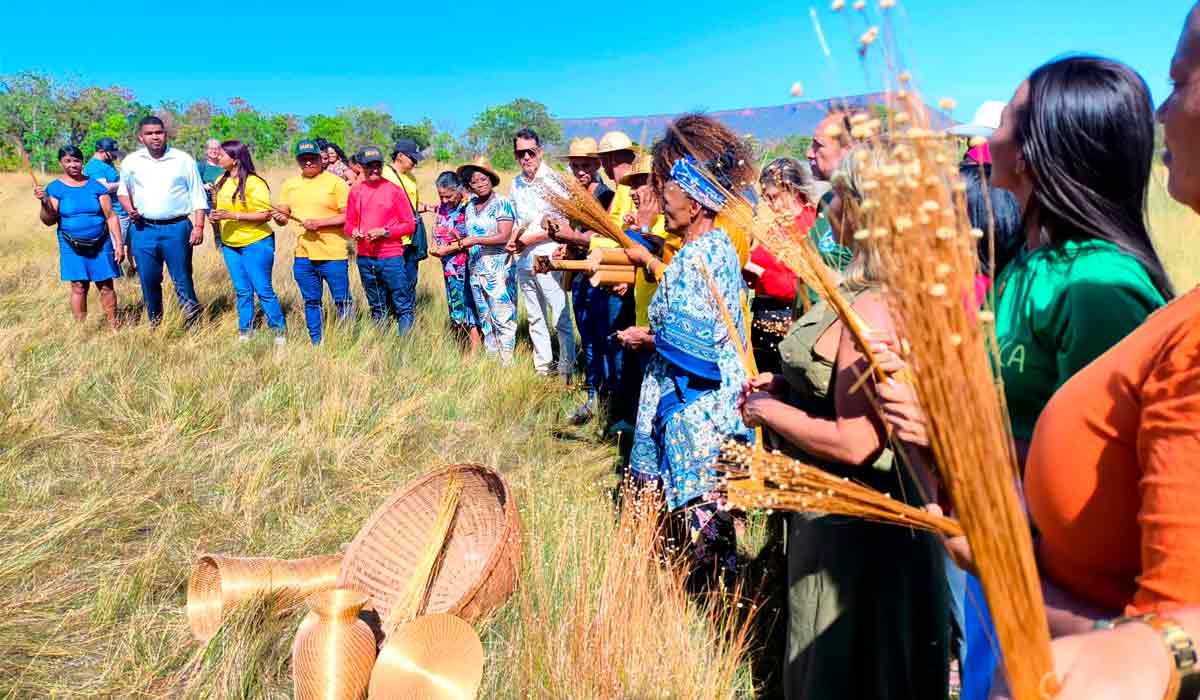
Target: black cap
107, 144
409, 148
369, 154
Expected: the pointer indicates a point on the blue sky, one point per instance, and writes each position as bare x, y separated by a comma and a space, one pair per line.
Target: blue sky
582, 59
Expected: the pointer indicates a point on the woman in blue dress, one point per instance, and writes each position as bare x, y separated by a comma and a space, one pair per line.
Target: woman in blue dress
90, 248
688, 403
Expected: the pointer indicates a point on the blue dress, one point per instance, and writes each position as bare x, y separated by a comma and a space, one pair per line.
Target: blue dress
81, 217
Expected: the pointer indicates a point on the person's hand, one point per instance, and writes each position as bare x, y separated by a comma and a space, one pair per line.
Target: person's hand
620, 289
769, 382
629, 220
958, 548
197, 236
311, 225
639, 256
376, 233
468, 243
39, 193
886, 351
513, 246
635, 337
279, 218
754, 408
1126, 663
560, 253
550, 225
119, 253
208, 187
902, 411
217, 215
134, 213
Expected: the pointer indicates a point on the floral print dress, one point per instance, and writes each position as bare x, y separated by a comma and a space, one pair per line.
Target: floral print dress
449, 228
493, 278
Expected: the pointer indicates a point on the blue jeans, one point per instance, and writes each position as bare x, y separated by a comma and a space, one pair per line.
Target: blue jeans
389, 291
309, 274
250, 269
155, 245
982, 657
601, 318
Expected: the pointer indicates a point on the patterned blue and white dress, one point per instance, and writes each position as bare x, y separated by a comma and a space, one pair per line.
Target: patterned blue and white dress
493, 278
689, 393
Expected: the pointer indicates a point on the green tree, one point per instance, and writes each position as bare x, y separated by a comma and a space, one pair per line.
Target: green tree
794, 146
422, 133
493, 130
337, 129
368, 126
31, 115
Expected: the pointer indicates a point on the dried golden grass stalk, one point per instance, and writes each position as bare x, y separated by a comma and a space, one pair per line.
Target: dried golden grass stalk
578, 205
411, 603
769, 480
16, 142
914, 216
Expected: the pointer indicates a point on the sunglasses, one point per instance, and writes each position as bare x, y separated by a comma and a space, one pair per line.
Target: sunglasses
522, 153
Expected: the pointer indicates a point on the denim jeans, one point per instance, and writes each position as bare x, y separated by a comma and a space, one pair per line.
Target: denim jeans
388, 290
982, 656
155, 245
601, 318
250, 269
309, 276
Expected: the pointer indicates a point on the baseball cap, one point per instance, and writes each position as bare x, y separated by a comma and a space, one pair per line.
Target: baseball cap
409, 148
108, 144
369, 154
307, 147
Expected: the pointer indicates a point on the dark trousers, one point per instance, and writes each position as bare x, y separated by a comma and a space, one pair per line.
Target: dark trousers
155, 245
311, 276
388, 290
603, 313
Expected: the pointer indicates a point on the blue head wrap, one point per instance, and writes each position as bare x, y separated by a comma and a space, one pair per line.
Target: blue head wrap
696, 185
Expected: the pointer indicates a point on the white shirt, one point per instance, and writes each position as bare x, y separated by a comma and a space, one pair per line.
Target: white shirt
531, 206
162, 188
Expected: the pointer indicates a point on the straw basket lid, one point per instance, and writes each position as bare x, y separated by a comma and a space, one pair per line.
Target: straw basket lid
434, 657
481, 164
218, 584
482, 554
581, 148
615, 141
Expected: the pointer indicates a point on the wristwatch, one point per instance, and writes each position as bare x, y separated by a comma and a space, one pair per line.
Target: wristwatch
1185, 669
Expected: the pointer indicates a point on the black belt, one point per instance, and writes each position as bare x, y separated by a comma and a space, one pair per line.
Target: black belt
164, 222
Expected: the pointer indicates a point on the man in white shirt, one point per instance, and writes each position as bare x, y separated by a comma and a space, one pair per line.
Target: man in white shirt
162, 191
545, 300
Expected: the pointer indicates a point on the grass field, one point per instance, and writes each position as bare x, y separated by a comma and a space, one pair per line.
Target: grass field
123, 456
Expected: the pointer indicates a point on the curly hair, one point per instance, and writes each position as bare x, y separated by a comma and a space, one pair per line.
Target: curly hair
718, 149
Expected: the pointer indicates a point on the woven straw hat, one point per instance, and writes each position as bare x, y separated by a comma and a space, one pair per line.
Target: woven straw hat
435, 657
581, 148
483, 165
641, 173
615, 141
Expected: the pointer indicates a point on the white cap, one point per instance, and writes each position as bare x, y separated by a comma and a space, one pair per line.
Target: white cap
987, 120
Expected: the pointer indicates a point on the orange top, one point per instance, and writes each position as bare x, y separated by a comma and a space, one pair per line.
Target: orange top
1113, 476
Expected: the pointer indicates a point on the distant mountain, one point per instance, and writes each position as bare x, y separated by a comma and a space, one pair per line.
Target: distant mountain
765, 123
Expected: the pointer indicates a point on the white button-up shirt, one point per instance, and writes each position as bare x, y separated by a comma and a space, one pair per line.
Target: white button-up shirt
162, 188
531, 206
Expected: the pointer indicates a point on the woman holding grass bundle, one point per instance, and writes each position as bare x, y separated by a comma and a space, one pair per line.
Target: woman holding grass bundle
868, 607
449, 231
242, 204
489, 223
691, 383
90, 248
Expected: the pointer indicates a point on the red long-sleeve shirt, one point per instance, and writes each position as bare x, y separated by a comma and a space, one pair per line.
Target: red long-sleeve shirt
776, 280
373, 205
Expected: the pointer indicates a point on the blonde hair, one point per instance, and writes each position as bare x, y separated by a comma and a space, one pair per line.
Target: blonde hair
865, 269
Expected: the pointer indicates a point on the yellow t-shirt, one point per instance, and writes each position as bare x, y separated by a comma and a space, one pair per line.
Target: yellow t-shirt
258, 198
405, 180
319, 197
622, 204
643, 290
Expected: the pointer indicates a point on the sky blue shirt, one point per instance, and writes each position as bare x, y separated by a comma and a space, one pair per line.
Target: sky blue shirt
101, 170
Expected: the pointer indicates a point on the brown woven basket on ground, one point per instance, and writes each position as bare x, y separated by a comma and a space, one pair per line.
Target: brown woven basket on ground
482, 555
435, 657
218, 584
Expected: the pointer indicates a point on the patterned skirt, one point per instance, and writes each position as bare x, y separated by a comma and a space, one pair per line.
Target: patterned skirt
461, 302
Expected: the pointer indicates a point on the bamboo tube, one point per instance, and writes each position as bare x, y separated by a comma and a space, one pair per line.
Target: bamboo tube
612, 278
609, 256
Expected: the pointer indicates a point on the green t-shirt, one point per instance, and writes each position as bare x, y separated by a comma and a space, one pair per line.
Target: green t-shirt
1060, 308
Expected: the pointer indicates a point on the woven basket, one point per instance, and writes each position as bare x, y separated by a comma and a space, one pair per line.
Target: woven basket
482, 555
218, 584
435, 657
334, 651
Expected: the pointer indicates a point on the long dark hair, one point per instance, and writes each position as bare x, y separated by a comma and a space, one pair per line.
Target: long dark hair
1001, 215
338, 150
1087, 134
241, 153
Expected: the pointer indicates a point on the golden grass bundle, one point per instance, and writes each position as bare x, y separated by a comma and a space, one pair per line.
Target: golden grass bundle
579, 206
412, 601
758, 479
914, 215
218, 584
334, 650
434, 657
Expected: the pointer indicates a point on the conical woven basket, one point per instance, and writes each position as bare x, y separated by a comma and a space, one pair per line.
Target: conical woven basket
218, 584
435, 657
482, 555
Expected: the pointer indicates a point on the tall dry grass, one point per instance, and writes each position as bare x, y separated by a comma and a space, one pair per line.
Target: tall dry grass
123, 455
